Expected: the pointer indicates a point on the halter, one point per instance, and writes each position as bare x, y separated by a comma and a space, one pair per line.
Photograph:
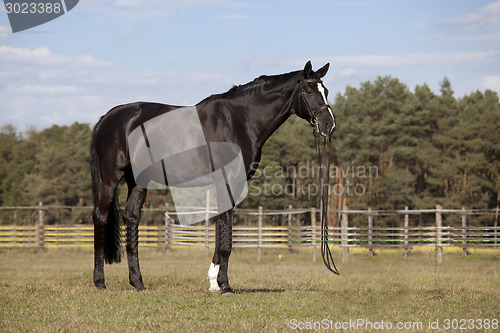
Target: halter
313, 113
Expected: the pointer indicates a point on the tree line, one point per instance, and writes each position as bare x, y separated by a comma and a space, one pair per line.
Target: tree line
393, 147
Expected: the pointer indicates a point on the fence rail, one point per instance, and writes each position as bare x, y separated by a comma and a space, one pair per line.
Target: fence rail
345, 237
20, 236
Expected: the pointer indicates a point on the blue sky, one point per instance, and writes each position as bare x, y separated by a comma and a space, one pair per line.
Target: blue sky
105, 53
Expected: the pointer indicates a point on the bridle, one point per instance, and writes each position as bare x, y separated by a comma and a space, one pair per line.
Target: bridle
323, 156
313, 113
323, 160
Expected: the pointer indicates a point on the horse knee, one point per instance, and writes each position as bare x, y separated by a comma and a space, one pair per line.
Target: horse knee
130, 215
134, 204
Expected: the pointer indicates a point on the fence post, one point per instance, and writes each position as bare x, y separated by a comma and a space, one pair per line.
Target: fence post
439, 225
207, 224
290, 228
313, 231
167, 232
464, 227
406, 224
259, 250
370, 233
344, 223
41, 227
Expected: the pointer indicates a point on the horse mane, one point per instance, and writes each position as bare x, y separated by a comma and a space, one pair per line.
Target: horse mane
258, 83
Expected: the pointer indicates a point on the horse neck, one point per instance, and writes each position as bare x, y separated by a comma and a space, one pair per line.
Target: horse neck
272, 109
255, 110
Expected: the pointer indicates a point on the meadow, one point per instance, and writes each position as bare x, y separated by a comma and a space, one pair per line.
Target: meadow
52, 291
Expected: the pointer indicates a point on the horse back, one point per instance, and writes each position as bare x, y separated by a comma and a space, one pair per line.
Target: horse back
112, 130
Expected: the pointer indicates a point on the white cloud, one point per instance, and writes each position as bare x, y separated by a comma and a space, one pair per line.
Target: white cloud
129, 3
406, 60
139, 9
233, 17
491, 37
351, 63
36, 89
127, 9
38, 86
492, 82
482, 26
411, 68
352, 3
24, 64
348, 73
5, 31
487, 15
127, 33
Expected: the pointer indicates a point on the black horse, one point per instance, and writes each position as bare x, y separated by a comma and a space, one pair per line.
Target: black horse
245, 115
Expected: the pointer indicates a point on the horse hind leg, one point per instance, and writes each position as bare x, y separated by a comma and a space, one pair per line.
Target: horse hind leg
99, 243
104, 211
131, 217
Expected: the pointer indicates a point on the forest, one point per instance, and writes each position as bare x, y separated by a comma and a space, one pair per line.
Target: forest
393, 147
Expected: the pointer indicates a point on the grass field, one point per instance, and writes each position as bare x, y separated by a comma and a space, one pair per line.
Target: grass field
52, 291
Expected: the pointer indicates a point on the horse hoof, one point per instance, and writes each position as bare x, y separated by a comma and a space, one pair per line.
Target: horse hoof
140, 287
100, 286
227, 291
137, 284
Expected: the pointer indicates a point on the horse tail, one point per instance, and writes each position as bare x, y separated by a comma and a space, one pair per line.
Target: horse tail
94, 172
112, 250
112, 247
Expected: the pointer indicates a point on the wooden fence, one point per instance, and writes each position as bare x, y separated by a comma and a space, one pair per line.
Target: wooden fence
343, 237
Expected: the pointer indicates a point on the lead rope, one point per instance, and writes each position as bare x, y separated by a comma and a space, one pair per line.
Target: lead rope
326, 254
324, 178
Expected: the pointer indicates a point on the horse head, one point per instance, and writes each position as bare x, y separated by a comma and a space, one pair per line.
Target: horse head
312, 103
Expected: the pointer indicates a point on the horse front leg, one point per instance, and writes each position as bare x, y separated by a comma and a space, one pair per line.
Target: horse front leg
226, 244
131, 218
223, 246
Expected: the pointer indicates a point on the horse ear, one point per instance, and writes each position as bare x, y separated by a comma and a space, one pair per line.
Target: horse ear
322, 71
307, 69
